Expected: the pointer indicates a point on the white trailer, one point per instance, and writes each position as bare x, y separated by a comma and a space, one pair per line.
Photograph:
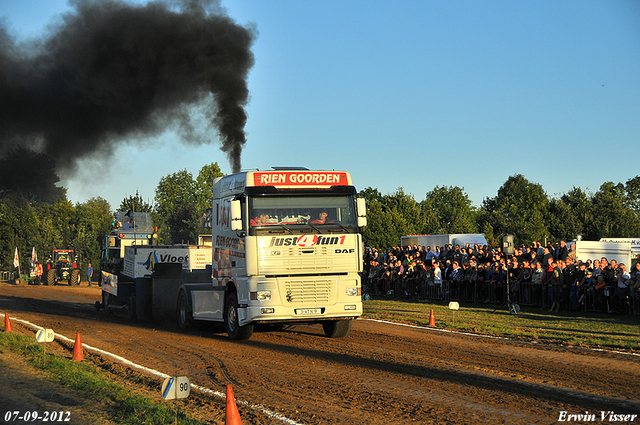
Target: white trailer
139, 261
441, 240
595, 250
132, 288
635, 248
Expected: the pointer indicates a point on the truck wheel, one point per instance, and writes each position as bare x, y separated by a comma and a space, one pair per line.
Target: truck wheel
51, 277
234, 330
75, 278
184, 312
336, 328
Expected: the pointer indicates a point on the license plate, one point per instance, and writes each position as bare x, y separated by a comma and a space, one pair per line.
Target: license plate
307, 311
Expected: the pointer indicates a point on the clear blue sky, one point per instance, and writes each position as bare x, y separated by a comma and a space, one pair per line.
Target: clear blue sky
414, 94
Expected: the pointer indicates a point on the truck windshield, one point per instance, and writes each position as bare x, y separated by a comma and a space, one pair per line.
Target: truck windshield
308, 211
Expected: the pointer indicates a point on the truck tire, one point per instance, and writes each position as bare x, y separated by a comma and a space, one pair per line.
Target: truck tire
51, 277
75, 278
336, 328
184, 312
234, 330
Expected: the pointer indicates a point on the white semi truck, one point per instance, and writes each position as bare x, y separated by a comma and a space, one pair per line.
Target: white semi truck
286, 249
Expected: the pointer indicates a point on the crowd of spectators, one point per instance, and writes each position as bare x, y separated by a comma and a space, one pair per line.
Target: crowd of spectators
545, 276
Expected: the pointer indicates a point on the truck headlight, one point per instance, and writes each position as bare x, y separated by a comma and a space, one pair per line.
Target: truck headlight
352, 292
260, 295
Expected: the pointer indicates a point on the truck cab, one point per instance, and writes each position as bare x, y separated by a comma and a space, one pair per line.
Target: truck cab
287, 248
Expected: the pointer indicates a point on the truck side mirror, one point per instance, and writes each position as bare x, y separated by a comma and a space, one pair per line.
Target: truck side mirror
236, 215
361, 211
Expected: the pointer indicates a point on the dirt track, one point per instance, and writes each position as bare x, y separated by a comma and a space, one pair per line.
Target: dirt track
379, 374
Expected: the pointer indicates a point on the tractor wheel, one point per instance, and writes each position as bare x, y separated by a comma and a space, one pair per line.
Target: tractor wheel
75, 278
51, 277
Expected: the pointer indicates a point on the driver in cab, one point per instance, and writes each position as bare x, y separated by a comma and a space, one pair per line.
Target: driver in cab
322, 218
260, 220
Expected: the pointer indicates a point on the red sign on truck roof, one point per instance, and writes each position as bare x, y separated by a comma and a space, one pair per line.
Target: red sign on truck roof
301, 178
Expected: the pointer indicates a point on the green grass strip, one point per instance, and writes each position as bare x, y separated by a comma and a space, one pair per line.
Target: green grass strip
88, 381
604, 331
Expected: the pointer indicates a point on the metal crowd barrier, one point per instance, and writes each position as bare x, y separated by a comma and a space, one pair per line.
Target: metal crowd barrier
479, 292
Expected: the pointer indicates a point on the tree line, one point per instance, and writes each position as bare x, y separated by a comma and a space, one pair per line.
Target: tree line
520, 208
35, 212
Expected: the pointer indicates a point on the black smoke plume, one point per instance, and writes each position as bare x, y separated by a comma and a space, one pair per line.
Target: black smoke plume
111, 71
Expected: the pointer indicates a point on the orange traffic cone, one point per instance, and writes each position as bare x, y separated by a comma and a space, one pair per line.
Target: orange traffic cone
432, 319
233, 416
77, 350
7, 323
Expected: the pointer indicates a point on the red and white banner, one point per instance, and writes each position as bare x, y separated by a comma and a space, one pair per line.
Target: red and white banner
300, 178
16, 260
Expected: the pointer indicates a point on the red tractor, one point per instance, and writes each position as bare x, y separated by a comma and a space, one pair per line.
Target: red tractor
62, 266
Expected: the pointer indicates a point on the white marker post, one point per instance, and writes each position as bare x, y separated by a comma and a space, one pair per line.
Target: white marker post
45, 335
176, 387
453, 306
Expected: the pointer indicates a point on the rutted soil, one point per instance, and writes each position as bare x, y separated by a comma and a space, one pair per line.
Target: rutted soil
378, 374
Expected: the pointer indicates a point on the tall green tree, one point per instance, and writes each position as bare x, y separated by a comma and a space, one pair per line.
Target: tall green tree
520, 208
135, 203
611, 216
632, 189
374, 233
204, 186
563, 223
390, 217
176, 192
569, 215
45, 227
371, 195
182, 227
18, 229
408, 210
580, 204
204, 192
452, 209
93, 224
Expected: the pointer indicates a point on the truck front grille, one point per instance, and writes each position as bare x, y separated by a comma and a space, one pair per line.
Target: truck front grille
298, 292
